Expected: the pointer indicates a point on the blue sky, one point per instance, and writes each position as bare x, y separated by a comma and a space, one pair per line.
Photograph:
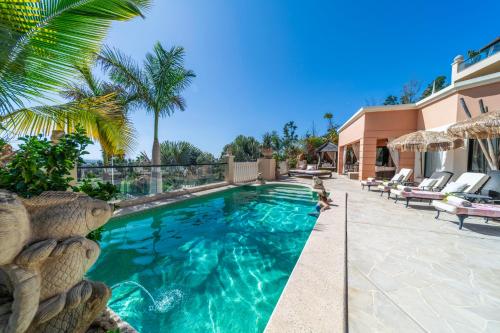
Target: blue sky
261, 63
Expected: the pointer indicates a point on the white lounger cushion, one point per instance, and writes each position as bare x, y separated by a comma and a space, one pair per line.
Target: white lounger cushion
444, 206
427, 183
458, 201
406, 173
474, 181
454, 187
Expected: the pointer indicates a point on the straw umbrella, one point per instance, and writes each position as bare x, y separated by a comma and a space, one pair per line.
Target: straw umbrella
485, 126
423, 141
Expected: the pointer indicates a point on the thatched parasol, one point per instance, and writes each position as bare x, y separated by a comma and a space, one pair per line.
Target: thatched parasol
422, 141
484, 126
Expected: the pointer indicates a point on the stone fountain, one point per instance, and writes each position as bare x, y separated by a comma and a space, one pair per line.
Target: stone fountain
44, 256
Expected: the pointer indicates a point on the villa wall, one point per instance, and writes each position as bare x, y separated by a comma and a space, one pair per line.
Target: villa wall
353, 133
350, 135
374, 126
438, 114
385, 125
386, 122
444, 112
490, 94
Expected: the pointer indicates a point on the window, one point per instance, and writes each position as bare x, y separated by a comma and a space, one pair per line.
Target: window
433, 163
477, 161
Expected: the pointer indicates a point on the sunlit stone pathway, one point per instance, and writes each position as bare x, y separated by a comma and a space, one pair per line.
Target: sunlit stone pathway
411, 273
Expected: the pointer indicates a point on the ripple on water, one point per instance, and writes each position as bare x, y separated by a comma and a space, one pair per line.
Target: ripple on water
213, 264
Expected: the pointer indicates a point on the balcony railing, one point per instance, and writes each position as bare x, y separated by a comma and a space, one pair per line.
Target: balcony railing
486, 53
136, 180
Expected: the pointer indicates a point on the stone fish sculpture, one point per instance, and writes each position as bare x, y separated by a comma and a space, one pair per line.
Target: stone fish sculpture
318, 183
43, 257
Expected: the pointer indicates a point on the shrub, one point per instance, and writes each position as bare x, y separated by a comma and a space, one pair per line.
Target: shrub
40, 166
98, 190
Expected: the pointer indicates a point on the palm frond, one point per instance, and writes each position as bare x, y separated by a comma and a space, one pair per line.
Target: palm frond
101, 117
42, 40
126, 72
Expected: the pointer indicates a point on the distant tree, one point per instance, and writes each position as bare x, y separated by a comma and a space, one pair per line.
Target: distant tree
436, 85
332, 133
313, 129
274, 141
391, 100
143, 159
205, 157
410, 91
329, 117
312, 143
267, 140
289, 135
290, 139
473, 54
244, 148
277, 142
177, 152
182, 152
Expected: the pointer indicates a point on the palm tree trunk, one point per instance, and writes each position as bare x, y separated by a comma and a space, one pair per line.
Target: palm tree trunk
156, 180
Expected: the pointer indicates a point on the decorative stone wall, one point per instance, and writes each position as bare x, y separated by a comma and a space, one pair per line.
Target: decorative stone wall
43, 257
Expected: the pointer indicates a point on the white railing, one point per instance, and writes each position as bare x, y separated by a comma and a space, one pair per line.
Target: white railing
283, 167
245, 171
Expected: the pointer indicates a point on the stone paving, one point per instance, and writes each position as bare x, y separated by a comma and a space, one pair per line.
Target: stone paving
409, 272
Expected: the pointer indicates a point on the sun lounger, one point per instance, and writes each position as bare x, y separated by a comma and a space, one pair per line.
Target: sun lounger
468, 182
310, 173
490, 192
386, 187
376, 182
436, 182
463, 208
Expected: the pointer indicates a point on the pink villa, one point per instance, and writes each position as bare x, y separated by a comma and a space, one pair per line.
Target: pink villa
364, 137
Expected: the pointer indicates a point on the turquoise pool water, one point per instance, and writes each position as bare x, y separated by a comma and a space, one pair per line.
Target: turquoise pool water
212, 264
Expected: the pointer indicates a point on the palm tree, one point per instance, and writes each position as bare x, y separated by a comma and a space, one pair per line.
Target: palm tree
328, 116
156, 87
116, 137
243, 148
98, 106
42, 40
179, 152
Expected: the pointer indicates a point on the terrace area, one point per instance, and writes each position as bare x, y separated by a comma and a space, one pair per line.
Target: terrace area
408, 272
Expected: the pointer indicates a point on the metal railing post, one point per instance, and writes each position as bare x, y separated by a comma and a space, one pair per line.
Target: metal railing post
346, 271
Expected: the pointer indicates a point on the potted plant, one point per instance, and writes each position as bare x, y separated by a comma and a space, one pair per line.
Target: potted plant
267, 152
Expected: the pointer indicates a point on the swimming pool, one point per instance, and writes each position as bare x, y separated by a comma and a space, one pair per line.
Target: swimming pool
217, 263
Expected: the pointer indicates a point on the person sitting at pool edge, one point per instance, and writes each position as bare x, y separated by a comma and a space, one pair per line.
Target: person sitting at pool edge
323, 203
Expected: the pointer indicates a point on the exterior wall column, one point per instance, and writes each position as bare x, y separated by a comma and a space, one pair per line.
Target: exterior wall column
229, 176
454, 67
367, 157
267, 166
340, 160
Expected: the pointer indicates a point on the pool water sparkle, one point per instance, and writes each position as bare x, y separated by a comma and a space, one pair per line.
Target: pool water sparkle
216, 263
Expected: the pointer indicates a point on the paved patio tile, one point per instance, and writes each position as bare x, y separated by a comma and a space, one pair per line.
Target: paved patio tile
409, 272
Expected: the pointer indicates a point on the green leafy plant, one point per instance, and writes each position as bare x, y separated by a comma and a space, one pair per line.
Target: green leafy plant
39, 165
98, 190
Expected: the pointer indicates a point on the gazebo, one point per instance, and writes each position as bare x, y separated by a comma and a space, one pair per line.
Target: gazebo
327, 152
